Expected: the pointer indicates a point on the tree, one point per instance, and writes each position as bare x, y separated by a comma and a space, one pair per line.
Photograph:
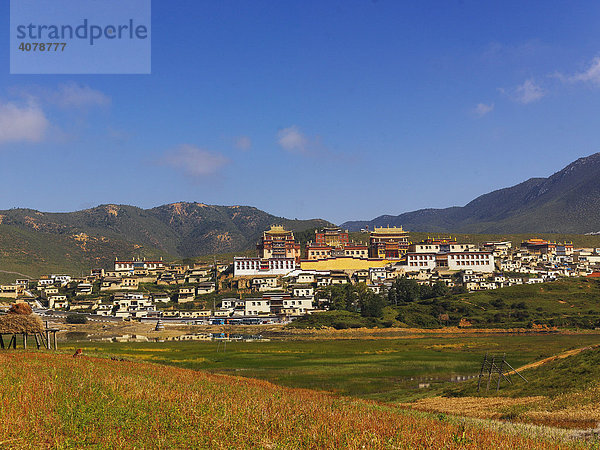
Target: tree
355, 298
459, 290
76, 319
371, 305
425, 291
342, 297
392, 296
406, 290
440, 289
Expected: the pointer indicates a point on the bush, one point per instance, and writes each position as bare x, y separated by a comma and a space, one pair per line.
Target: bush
498, 303
336, 319
76, 319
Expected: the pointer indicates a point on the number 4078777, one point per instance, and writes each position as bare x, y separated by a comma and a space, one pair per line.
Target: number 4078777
42, 46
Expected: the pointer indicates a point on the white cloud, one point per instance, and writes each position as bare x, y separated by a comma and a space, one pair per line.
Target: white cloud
482, 109
591, 75
73, 95
22, 123
243, 142
26, 119
531, 91
528, 92
194, 161
293, 140
67, 96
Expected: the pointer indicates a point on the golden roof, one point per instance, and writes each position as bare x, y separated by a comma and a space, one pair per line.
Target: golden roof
277, 229
389, 230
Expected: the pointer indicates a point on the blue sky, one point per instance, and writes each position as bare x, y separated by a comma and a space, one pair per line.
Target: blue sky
335, 109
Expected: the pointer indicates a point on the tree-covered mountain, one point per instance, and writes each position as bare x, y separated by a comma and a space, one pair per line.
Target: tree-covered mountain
32, 240
566, 202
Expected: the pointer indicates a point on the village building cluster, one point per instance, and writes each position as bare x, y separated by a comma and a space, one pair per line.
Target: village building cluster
283, 281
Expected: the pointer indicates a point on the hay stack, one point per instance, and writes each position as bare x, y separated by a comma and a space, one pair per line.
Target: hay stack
18, 323
20, 308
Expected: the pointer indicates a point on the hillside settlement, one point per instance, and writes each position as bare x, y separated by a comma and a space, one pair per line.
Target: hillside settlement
284, 281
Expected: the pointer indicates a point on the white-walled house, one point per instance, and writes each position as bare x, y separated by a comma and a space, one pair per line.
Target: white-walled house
303, 290
299, 303
58, 302
257, 306
257, 266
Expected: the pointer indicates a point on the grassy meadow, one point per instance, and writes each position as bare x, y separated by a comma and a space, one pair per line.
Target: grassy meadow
388, 368
567, 303
56, 401
561, 392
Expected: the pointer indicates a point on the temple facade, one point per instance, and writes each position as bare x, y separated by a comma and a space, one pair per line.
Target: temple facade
278, 254
333, 242
388, 243
277, 242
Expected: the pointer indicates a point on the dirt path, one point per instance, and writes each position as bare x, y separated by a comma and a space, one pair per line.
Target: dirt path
16, 273
562, 355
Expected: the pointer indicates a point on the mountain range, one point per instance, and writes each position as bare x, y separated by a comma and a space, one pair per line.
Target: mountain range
566, 202
34, 241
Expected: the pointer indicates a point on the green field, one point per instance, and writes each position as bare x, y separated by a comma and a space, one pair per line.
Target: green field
560, 376
568, 303
377, 369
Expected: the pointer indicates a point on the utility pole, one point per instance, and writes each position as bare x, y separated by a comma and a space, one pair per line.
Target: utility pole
489, 367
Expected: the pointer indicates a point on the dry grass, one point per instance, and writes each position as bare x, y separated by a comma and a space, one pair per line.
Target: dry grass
579, 410
395, 333
562, 355
17, 323
564, 391
479, 407
55, 401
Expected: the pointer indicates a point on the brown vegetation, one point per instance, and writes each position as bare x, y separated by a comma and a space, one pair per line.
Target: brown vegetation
17, 323
56, 401
479, 407
20, 308
577, 410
